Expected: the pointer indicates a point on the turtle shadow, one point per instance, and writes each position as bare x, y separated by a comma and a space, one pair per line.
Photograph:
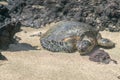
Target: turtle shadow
21, 47
14, 45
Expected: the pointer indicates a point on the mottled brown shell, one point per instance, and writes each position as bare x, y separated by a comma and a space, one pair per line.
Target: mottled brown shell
64, 35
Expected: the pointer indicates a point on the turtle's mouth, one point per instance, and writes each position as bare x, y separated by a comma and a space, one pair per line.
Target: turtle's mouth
84, 51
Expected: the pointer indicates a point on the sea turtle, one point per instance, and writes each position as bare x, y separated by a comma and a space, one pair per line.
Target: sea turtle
69, 36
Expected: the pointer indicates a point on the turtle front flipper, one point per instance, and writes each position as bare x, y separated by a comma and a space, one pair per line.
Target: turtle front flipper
106, 43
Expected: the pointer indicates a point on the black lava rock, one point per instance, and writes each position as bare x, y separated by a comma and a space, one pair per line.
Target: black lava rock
8, 27
102, 14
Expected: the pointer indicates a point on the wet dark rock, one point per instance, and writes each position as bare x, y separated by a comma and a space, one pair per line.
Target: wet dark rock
3, 0
7, 27
2, 57
98, 13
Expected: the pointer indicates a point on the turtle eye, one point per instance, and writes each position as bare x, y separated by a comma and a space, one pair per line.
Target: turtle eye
87, 43
84, 45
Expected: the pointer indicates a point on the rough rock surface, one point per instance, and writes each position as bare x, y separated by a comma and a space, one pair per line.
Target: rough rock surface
104, 14
8, 27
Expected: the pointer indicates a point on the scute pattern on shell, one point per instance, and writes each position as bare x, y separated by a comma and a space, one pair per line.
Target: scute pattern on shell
57, 46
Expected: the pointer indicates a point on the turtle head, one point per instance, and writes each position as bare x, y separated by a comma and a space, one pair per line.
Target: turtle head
84, 47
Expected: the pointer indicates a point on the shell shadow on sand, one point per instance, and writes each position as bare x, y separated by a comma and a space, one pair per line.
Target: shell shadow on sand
21, 47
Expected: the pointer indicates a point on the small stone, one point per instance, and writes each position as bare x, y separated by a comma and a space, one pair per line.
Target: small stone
118, 77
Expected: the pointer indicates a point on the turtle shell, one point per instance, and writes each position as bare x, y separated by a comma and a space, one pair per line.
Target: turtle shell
63, 36
65, 29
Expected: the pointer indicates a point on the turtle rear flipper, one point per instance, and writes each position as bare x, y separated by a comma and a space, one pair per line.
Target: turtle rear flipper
107, 61
102, 57
114, 61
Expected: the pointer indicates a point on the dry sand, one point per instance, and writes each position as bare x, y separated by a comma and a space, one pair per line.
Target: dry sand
27, 63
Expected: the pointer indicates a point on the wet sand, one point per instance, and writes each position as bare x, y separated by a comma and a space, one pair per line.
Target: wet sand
29, 61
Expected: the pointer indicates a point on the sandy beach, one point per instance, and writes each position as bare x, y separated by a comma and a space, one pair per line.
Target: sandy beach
27, 60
